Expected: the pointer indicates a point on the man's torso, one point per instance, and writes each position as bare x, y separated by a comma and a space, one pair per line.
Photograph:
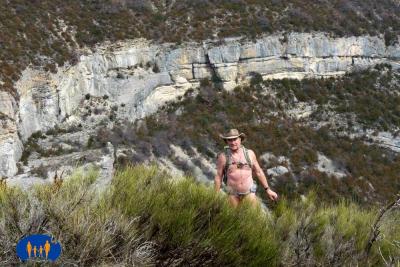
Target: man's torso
239, 172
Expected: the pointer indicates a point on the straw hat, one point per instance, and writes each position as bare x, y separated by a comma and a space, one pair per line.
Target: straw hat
232, 134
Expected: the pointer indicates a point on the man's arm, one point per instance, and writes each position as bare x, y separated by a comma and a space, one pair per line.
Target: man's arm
261, 176
220, 170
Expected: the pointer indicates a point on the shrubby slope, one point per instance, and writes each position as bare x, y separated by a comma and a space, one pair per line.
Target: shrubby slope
48, 33
147, 217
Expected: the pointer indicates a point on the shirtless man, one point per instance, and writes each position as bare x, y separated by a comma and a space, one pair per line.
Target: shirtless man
240, 184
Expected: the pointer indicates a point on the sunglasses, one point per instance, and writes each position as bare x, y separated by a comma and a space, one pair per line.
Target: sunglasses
231, 139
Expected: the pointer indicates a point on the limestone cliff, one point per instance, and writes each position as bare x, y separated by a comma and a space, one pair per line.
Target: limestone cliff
139, 76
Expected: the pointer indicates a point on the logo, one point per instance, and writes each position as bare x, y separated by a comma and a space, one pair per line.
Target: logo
38, 247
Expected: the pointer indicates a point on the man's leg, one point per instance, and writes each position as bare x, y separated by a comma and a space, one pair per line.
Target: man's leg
252, 198
234, 200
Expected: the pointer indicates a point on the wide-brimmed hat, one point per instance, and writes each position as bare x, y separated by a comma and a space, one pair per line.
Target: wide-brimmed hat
232, 134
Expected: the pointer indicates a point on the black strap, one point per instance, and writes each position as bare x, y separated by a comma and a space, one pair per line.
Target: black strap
228, 161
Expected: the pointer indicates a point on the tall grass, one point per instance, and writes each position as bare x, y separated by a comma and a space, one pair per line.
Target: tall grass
90, 231
147, 217
183, 213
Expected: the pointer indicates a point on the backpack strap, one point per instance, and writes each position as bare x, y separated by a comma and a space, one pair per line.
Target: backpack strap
228, 161
247, 157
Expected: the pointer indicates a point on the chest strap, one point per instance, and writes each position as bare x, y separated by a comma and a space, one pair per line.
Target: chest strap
228, 157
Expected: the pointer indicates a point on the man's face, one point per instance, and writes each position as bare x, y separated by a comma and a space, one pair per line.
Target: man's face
234, 143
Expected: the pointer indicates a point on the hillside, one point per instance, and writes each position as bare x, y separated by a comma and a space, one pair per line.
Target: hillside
48, 34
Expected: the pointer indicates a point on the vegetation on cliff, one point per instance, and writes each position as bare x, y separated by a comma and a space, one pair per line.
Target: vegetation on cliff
369, 98
48, 33
148, 217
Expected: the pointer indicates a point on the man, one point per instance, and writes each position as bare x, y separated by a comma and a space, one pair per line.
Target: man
241, 164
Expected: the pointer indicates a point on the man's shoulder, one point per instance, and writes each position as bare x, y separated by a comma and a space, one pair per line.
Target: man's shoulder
249, 150
221, 155
221, 159
224, 151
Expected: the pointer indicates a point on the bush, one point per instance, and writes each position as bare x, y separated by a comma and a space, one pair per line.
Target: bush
256, 78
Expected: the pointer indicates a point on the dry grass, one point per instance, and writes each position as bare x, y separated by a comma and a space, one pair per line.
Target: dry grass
91, 231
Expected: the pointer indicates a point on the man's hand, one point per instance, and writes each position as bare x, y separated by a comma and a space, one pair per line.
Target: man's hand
271, 194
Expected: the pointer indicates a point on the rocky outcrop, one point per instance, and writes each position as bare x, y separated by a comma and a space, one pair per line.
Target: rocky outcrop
10, 144
136, 77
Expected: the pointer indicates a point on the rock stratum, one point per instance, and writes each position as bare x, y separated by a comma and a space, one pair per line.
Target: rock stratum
137, 77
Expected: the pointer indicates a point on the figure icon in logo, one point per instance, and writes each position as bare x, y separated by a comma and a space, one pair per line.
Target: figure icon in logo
29, 249
47, 248
41, 251
34, 251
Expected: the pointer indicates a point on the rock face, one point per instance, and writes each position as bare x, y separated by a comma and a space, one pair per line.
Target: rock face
136, 77
10, 145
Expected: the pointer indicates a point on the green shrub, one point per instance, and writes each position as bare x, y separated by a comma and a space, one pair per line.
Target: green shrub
256, 78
